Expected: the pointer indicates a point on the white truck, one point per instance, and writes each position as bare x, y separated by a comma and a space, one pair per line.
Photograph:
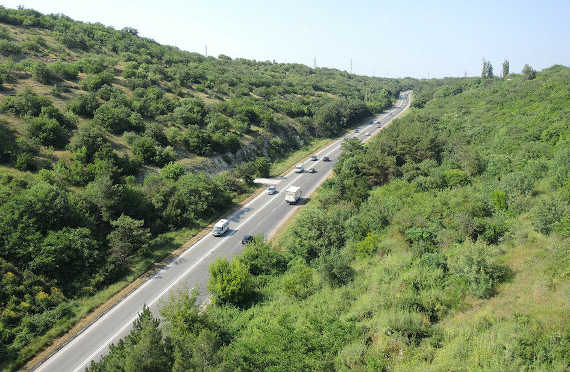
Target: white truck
221, 227
292, 194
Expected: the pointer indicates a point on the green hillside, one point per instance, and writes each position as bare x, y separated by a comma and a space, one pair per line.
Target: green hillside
442, 245
103, 139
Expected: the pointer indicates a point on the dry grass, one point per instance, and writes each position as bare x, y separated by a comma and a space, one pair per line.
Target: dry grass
533, 290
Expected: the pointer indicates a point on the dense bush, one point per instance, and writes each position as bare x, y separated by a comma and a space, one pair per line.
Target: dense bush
85, 105
47, 132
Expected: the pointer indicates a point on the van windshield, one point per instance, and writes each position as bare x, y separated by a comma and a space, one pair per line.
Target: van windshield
217, 227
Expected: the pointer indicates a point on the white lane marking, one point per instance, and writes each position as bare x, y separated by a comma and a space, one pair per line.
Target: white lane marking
47, 362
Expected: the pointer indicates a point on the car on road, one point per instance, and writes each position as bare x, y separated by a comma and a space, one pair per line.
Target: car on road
357, 130
314, 158
246, 239
326, 158
367, 134
312, 170
271, 190
371, 121
221, 227
299, 168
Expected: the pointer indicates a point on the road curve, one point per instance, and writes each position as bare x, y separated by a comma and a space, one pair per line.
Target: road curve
262, 215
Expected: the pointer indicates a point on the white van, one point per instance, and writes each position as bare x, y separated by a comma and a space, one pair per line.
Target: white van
221, 227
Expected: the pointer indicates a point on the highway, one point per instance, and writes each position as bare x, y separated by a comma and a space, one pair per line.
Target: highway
262, 215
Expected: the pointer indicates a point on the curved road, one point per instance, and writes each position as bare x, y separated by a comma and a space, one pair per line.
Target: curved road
262, 215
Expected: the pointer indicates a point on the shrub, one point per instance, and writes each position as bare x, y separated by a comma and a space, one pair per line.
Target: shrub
262, 259
25, 103
46, 131
368, 246
298, 280
547, 213
9, 48
230, 282
116, 119
335, 268
455, 177
474, 267
8, 148
25, 162
64, 70
499, 199
93, 82
144, 148
172, 171
85, 105
42, 73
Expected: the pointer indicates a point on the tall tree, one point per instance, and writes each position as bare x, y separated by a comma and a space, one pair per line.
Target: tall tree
127, 237
528, 72
487, 70
505, 68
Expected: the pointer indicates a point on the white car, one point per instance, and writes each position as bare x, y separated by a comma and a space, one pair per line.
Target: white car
299, 168
271, 190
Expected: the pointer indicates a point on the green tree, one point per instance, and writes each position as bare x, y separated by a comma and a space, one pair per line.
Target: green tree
8, 147
85, 104
298, 280
115, 118
505, 68
230, 282
144, 349
528, 72
68, 256
127, 237
41, 73
172, 171
487, 70
144, 149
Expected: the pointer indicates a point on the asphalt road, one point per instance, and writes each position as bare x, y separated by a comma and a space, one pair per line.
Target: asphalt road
262, 215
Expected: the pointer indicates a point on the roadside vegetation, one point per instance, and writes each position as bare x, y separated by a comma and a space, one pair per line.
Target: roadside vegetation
447, 231
441, 245
114, 148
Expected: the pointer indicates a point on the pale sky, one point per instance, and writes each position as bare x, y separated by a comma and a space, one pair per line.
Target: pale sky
383, 38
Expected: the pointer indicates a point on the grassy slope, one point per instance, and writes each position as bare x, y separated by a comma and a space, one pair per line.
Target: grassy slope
526, 324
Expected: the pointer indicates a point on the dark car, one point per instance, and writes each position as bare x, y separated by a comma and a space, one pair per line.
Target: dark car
326, 158
314, 158
246, 239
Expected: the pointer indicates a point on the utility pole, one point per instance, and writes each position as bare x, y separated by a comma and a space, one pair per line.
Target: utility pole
206, 47
315, 62
351, 65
